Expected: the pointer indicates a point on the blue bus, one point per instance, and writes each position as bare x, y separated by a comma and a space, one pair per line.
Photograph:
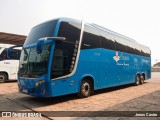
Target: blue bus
64, 56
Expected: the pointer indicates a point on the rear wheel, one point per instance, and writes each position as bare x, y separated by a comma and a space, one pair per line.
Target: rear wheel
137, 81
85, 89
3, 77
142, 79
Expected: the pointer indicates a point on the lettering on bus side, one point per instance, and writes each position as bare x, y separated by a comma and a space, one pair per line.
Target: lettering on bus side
123, 58
6, 62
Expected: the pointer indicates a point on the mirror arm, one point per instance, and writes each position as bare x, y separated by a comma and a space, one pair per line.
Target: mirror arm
40, 42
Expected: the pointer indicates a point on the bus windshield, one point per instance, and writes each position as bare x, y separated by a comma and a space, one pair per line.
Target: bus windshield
43, 30
32, 63
63, 61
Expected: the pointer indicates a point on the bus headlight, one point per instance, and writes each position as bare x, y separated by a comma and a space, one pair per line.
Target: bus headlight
39, 83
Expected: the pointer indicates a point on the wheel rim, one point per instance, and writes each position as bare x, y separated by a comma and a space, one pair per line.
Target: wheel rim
142, 80
1, 77
137, 81
85, 89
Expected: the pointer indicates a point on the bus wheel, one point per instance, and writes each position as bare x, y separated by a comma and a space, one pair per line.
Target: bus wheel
142, 79
3, 77
85, 89
137, 81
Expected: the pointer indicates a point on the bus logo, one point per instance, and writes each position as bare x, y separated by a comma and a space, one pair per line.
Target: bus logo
116, 58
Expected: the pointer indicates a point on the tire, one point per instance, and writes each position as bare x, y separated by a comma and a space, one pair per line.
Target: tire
137, 81
85, 89
142, 80
3, 77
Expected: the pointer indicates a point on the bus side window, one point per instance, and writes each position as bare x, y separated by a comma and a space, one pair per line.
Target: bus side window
3, 55
120, 44
91, 38
63, 55
107, 41
15, 54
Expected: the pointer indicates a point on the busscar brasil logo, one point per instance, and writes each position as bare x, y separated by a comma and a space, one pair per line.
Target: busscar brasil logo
121, 60
116, 58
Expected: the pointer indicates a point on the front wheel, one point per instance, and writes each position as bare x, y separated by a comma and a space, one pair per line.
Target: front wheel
3, 77
85, 89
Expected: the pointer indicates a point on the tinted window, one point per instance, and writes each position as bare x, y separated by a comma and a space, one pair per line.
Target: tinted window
40, 31
137, 49
70, 30
120, 44
14, 56
113, 42
130, 47
3, 55
65, 53
62, 58
106, 41
133, 48
145, 51
148, 52
91, 38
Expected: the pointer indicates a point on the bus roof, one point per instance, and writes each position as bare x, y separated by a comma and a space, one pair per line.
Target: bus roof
59, 19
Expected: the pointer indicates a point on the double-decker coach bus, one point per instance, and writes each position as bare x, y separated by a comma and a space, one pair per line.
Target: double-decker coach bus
64, 56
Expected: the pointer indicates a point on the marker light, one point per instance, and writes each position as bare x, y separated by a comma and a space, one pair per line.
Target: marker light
76, 46
73, 58
77, 42
74, 54
75, 50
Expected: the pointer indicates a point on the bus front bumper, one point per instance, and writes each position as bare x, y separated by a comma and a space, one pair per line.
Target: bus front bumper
33, 88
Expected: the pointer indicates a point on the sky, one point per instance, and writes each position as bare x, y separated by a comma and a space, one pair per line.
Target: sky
137, 19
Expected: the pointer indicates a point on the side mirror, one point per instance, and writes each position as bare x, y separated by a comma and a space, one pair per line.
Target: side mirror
41, 42
9, 50
40, 46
